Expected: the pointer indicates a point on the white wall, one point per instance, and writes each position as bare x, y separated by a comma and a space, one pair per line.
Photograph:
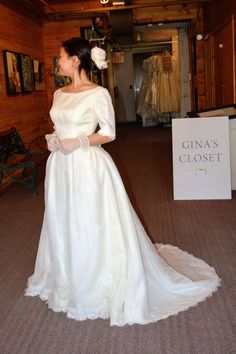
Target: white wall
124, 80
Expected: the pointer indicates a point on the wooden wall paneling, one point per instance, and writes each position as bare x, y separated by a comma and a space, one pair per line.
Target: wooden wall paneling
165, 14
200, 75
78, 5
215, 12
192, 63
217, 15
209, 71
224, 53
24, 111
200, 62
197, 64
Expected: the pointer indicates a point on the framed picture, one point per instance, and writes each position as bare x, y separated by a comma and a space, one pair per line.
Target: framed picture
12, 72
38, 70
59, 80
27, 74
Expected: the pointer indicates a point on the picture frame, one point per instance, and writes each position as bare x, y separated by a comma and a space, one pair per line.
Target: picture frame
26, 73
12, 72
60, 81
38, 73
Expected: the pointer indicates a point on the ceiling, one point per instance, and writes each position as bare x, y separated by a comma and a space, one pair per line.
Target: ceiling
157, 2
60, 10
71, 9
53, 2
131, 3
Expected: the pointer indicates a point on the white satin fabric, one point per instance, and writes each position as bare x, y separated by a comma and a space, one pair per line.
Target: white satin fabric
94, 257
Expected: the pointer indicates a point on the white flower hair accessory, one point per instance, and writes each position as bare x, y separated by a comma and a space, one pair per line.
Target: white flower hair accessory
98, 55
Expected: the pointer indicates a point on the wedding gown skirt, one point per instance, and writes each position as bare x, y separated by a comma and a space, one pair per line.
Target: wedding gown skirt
94, 258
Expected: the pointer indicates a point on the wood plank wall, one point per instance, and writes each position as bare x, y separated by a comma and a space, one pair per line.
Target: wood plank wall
27, 112
217, 16
216, 12
200, 64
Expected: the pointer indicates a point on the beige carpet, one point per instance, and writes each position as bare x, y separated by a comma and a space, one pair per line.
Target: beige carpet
205, 228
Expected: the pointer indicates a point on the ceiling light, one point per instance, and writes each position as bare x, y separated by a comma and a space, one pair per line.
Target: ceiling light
118, 3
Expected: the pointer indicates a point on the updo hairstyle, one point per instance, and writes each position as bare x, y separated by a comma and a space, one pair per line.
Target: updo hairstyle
82, 49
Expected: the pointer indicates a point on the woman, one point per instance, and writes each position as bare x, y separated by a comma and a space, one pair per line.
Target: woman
94, 257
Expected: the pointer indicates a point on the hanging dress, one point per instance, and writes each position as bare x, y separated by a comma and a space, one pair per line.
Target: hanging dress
143, 88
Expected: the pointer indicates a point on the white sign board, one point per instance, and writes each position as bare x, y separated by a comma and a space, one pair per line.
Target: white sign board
232, 144
201, 160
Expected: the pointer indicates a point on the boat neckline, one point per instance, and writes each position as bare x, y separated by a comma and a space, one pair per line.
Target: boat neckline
74, 92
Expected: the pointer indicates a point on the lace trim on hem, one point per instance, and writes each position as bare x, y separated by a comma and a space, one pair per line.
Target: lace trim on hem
73, 314
211, 269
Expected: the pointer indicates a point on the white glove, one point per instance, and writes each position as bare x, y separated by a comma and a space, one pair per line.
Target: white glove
53, 143
70, 144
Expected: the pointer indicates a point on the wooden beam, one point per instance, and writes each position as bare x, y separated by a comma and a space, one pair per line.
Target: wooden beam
48, 6
76, 13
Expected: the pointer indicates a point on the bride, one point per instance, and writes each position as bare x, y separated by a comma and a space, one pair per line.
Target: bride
94, 258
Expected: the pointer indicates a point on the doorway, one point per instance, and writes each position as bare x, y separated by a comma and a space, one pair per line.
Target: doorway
128, 75
138, 59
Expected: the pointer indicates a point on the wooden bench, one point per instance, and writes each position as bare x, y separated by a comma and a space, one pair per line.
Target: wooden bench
18, 162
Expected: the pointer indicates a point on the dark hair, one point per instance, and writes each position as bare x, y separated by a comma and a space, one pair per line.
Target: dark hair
82, 49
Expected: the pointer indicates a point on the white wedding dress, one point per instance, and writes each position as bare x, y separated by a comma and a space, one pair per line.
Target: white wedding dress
94, 257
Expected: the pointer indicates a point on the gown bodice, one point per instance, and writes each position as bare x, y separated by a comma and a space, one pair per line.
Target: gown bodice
79, 113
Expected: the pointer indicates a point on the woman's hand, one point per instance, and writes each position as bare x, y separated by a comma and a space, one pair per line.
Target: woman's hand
53, 143
83, 142
69, 145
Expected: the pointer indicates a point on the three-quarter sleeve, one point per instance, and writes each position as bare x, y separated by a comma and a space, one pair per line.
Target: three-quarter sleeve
105, 114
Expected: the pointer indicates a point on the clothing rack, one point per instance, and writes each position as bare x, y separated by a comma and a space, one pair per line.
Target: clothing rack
163, 52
